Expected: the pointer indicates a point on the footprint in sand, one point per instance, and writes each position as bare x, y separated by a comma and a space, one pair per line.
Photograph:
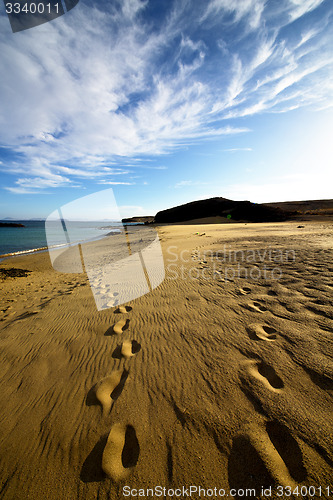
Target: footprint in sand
121, 452
288, 449
246, 468
256, 306
266, 374
121, 326
123, 309
262, 332
260, 458
109, 389
244, 291
129, 348
112, 297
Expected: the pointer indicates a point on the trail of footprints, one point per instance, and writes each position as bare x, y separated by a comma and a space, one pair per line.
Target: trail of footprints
121, 451
259, 331
274, 451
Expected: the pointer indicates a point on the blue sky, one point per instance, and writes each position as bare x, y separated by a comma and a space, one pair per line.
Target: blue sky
167, 102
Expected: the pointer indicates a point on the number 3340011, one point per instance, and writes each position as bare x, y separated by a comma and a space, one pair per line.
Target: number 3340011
32, 8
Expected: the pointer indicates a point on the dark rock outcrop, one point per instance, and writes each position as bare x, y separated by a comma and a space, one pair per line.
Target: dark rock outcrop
212, 207
10, 224
146, 219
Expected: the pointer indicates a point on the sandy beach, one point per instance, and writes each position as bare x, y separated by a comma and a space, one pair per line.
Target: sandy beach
221, 377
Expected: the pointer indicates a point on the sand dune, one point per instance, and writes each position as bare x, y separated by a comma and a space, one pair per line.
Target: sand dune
217, 378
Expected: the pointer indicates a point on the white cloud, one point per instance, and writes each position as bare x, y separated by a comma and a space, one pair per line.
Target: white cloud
21, 190
115, 183
160, 167
83, 92
232, 150
92, 172
182, 184
130, 8
301, 7
308, 35
297, 76
251, 9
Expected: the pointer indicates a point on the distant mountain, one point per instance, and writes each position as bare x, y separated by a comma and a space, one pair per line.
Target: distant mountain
212, 207
20, 219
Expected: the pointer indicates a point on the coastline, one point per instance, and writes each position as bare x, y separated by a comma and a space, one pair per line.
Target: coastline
22, 252
55, 246
230, 380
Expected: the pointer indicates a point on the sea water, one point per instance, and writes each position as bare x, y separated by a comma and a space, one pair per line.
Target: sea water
32, 237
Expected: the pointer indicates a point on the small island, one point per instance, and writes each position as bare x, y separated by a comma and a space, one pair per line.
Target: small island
10, 224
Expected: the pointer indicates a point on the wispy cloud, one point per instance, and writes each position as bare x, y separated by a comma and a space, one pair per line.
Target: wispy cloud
182, 184
251, 9
22, 190
35, 184
233, 150
85, 94
115, 183
300, 7
158, 167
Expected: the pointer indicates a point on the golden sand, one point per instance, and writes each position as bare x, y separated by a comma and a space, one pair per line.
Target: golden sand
211, 379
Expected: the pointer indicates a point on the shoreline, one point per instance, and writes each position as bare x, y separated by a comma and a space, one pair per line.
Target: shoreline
56, 246
203, 221
22, 253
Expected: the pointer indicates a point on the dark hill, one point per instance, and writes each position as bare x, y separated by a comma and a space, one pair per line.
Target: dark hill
315, 207
234, 210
